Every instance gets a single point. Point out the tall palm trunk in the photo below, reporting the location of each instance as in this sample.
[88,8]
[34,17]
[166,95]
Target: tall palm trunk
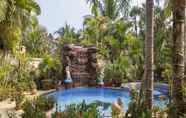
[185,42]
[149,58]
[178,51]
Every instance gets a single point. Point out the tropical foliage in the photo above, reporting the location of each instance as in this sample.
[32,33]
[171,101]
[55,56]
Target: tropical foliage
[81,110]
[38,107]
[139,43]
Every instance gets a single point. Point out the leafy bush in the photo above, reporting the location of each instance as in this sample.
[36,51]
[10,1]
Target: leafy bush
[118,70]
[36,109]
[6,71]
[123,69]
[50,68]
[31,111]
[137,109]
[136,106]
[19,97]
[167,72]
[6,92]
[32,85]
[174,110]
[81,110]
[10,36]
[45,103]
[49,71]
[13,79]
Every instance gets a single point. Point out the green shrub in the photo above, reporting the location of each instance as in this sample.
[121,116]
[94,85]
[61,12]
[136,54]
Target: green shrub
[118,71]
[50,68]
[7,92]
[81,110]
[45,103]
[32,85]
[174,111]
[36,109]
[10,36]
[137,109]
[19,97]
[31,111]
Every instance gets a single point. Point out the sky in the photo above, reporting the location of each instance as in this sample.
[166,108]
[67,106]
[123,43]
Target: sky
[56,13]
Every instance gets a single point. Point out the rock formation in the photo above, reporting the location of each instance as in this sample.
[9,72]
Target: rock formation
[82,63]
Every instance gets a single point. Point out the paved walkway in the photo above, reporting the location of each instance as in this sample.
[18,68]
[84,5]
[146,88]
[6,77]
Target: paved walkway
[7,107]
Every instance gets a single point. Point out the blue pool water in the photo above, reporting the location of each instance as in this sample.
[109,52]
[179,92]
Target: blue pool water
[105,95]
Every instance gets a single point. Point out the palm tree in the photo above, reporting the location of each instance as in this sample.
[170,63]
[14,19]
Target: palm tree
[109,8]
[149,59]
[94,4]
[134,14]
[178,7]
[11,8]
[67,34]
[15,18]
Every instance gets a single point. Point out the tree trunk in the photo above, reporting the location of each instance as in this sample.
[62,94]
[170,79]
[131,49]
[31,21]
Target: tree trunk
[149,57]
[178,54]
[185,42]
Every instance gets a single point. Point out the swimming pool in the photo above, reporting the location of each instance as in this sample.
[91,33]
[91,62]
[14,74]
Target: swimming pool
[103,95]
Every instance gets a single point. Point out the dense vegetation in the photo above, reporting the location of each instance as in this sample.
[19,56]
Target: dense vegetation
[38,107]
[122,32]
[81,110]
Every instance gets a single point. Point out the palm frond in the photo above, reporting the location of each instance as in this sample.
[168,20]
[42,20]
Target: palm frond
[168,7]
[29,5]
[124,6]
[3,8]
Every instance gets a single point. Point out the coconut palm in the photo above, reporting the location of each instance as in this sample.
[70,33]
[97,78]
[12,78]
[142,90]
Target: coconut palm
[16,14]
[109,8]
[178,9]
[94,4]
[149,59]
[67,34]
[11,8]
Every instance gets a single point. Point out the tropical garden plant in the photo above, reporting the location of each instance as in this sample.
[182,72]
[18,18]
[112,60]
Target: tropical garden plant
[31,111]
[45,103]
[81,110]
